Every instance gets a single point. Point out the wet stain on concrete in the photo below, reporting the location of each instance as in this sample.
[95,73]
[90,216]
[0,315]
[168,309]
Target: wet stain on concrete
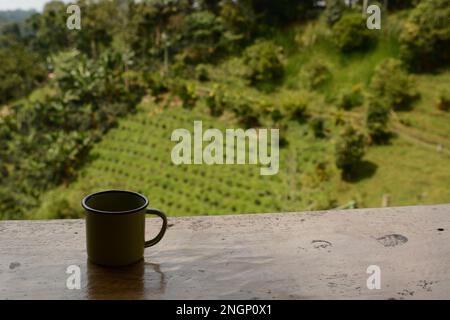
[426,285]
[14,265]
[406,293]
[392,240]
[321,244]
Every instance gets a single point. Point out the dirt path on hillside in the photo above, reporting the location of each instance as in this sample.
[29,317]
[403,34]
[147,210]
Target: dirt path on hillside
[413,135]
[409,134]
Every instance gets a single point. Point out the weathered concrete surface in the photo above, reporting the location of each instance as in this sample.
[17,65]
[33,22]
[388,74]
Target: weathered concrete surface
[312,255]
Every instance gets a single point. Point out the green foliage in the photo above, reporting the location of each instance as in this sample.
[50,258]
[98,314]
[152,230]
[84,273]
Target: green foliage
[98,84]
[142,31]
[20,71]
[392,84]
[334,11]
[79,133]
[377,120]
[263,62]
[238,19]
[186,91]
[156,83]
[402,4]
[38,154]
[52,35]
[283,12]
[351,34]
[98,28]
[425,40]
[46,141]
[215,101]
[245,110]
[202,36]
[179,189]
[316,73]
[201,73]
[443,102]
[294,106]
[62,208]
[349,150]
[10,34]
[317,125]
[348,99]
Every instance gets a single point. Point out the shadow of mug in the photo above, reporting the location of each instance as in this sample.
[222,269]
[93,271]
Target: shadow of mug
[141,280]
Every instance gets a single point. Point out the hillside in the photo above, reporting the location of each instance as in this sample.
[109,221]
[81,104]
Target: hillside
[363,113]
[136,156]
[409,170]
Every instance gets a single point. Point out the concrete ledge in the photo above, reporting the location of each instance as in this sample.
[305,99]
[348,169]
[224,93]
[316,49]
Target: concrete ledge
[310,255]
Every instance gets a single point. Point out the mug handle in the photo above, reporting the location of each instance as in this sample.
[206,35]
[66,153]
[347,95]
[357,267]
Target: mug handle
[156,239]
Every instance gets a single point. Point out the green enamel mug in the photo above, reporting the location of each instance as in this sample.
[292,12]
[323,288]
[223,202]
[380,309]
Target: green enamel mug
[115,227]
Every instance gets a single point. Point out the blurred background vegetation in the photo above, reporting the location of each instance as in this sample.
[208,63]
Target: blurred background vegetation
[364,115]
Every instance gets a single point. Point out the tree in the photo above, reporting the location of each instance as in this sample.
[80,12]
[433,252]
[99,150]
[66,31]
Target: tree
[294,106]
[263,62]
[392,84]
[316,73]
[51,27]
[45,141]
[377,120]
[348,99]
[282,12]
[351,34]
[334,11]
[201,36]
[238,19]
[20,71]
[425,39]
[10,34]
[318,127]
[349,150]
[401,4]
[100,21]
[443,101]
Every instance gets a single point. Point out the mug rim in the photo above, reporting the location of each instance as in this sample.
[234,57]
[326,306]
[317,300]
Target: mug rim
[89,209]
